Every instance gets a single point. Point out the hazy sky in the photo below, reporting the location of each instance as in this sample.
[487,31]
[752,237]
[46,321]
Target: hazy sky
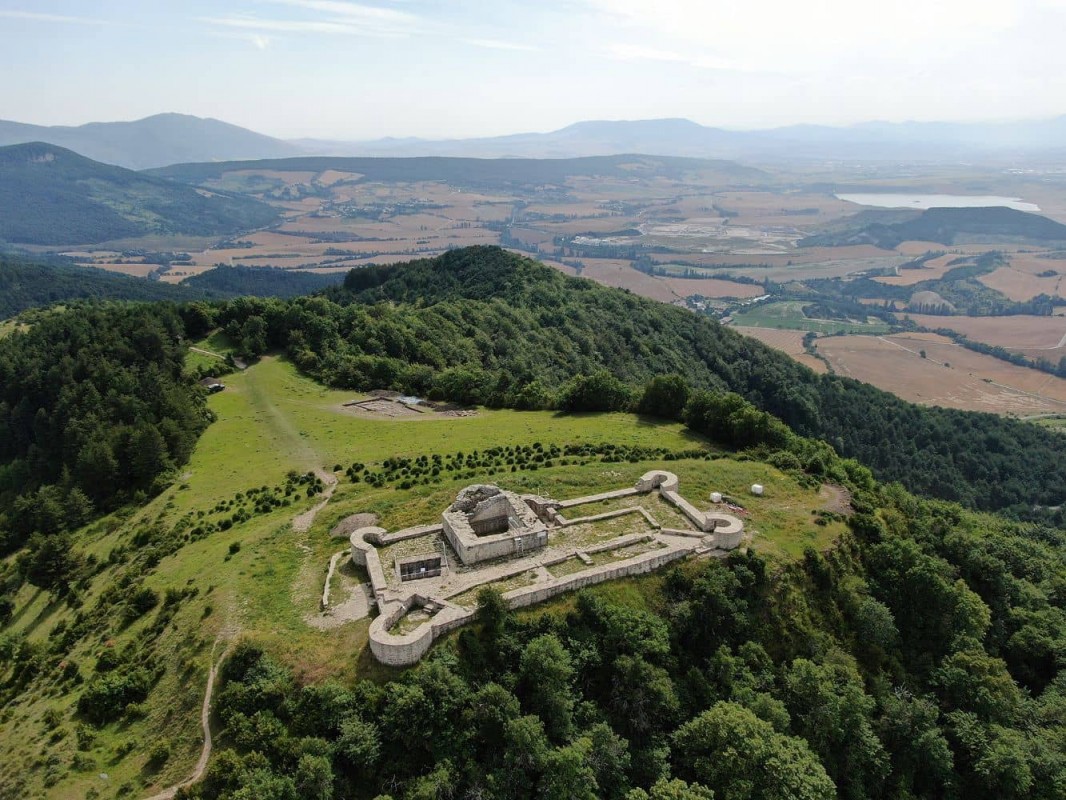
[360,70]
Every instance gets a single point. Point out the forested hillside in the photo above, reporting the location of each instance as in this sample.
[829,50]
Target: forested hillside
[31,284]
[889,229]
[26,284]
[52,196]
[481,325]
[260,281]
[484,173]
[918,657]
[93,408]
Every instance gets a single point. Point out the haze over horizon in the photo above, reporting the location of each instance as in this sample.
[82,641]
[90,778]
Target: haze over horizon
[356,71]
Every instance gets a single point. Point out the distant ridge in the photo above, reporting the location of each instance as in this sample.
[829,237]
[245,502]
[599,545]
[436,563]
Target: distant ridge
[683,137]
[165,139]
[889,229]
[479,172]
[52,196]
[153,141]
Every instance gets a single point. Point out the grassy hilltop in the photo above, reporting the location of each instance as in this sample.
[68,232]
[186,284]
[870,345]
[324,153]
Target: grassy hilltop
[260,580]
[867,643]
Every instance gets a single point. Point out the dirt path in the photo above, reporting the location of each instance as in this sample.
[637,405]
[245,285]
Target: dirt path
[203,352]
[297,447]
[835,498]
[302,523]
[205,722]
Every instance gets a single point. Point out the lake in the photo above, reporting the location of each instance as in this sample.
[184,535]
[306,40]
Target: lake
[924,201]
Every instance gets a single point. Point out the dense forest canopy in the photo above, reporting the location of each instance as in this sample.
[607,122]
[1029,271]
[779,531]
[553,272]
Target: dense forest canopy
[94,407]
[482,325]
[224,281]
[30,283]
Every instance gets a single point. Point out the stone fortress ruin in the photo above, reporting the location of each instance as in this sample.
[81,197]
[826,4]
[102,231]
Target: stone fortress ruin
[425,579]
[486,522]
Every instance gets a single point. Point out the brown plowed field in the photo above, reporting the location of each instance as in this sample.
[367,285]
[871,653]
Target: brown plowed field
[950,375]
[786,341]
[1021,333]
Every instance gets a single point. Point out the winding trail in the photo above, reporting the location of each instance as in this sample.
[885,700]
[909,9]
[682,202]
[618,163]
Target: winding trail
[205,722]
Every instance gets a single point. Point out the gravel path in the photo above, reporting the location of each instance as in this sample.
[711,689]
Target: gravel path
[205,722]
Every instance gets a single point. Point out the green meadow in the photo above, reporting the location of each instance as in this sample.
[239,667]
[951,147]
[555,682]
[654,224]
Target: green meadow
[262,579]
[788,314]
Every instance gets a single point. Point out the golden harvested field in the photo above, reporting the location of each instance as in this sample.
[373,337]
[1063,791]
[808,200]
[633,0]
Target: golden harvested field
[1022,286]
[1022,278]
[783,208]
[332,176]
[949,376]
[931,270]
[619,273]
[711,287]
[137,270]
[790,342]
[1034,336]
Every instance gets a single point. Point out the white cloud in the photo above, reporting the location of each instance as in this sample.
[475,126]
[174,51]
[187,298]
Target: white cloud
[355,11]
[330,17]
[33,16]
[331,27]
[258,40]
[499,44]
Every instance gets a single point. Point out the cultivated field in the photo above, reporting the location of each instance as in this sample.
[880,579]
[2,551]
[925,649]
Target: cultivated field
[787,341]
[1028,275]
[1036,337]
[949,375]
[620,273]
[932,269]
[789,314]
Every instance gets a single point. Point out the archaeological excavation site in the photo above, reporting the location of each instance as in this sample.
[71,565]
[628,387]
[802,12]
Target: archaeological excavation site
[425,579]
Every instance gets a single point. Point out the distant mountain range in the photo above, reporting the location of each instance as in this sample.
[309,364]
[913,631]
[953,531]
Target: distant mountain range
[52,196]
[167,139]
[153,141]
[681,137]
